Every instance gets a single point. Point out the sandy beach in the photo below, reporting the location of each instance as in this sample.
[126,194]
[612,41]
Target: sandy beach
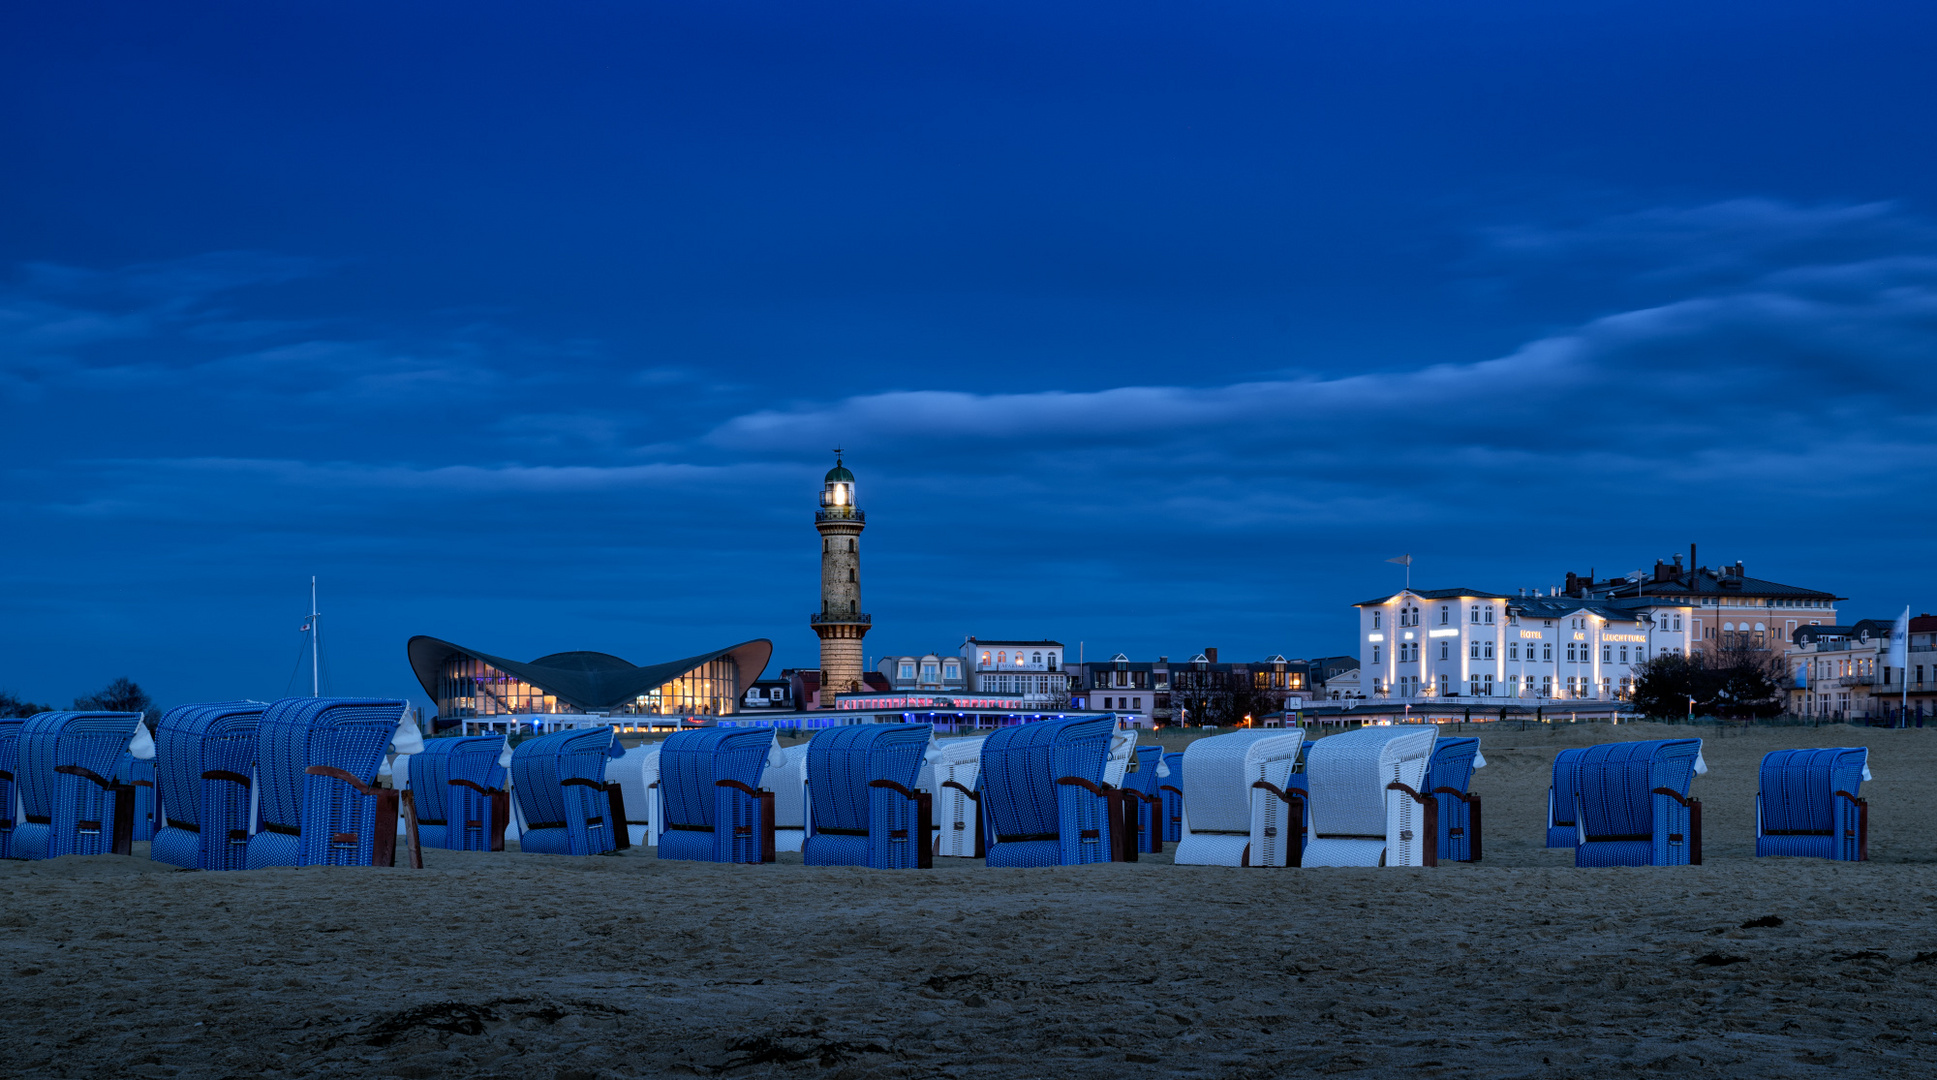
[540,966]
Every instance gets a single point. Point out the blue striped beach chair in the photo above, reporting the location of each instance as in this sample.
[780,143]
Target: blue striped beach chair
[709,783]
[458,788]
[1561,828]
[71,804]
[1171,789]
[1632,806]
[568,807]
[864,809]
[1141,784]
[1809,804]
[316,770]
[1042,789]
[205,761]
[1447,777]
[10,810]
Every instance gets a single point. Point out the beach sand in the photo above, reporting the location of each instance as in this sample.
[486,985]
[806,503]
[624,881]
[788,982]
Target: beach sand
[542,966]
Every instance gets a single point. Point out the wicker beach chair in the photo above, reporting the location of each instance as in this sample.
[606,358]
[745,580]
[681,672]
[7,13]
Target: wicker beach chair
[867,811]
[715,808]
[458,784]
[205,764]
[1141,782]
[1632,806]
[1447,777]
[950,769]
[568,805]
[1367,808]
[1042,789]
[1810,804]
[70,804]
[316,768]
[788,782]
[1238,809]
[1171,789]
[637,774]
[10,808]
[1562,831]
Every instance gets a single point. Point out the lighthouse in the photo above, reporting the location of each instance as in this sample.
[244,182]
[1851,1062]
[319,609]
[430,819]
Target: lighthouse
[840,622]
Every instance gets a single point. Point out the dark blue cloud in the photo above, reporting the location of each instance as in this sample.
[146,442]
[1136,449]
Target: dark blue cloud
[1144,328]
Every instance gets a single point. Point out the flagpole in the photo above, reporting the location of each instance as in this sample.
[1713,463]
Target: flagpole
[315,662]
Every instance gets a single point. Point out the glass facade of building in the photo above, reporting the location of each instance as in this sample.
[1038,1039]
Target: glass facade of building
[469,688]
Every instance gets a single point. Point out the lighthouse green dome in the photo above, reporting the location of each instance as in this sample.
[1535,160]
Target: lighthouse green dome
[839,473]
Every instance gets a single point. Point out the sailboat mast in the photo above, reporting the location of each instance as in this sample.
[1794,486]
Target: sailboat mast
[315,663]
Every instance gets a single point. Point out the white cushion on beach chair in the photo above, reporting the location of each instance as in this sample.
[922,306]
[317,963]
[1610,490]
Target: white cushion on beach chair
[1355,821]
[788,782]
[637,774]
[958,760]
[1227,822]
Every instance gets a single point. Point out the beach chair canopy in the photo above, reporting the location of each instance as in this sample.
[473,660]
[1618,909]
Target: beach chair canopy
[1355,819]
[1620,817]
[65,779]
[454,783]
[1219,772]
[328,817]
[854,822]
[691,764]
[1448,775]
[1810,803]
[1562,831]
[559,781]
[205,764]
[1036,820]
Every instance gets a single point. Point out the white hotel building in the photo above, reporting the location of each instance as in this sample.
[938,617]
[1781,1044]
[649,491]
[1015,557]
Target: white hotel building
[1469,645]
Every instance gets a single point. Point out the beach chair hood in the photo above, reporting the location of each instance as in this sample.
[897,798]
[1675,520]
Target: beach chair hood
[1355,819]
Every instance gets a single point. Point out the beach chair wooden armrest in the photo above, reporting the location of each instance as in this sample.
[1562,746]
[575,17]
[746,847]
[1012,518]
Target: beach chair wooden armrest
[1675,795]
[972,796]
[1429,850]
[6,776]
[1694,822]
[458,781]
[1167,787]
[896,788]
[580,781]
[1101,791]
[86,774]
[335,773]
[1462,796]
[231,777]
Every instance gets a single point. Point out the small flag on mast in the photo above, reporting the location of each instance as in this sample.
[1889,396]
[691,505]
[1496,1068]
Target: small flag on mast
[304,630]
[1402,560]
[1899,656]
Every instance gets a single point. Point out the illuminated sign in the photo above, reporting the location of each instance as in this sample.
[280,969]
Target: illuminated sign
[873,702]
[1534,634]
[1408,635]
[1444,633]
[1623,637]
[1580,636]
[1375,637]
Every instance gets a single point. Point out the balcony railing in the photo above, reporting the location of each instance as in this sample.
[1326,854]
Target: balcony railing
[841,513]
[820,617]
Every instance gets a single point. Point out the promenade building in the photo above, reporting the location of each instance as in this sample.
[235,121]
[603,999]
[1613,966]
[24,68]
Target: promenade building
[1031,671]
[932,672]
[1489,647]
[1725,605]
[1845,671]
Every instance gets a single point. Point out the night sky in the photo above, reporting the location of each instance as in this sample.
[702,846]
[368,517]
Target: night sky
[1147,326]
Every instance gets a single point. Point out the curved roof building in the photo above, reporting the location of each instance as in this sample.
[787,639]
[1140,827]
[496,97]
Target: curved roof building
[468,685]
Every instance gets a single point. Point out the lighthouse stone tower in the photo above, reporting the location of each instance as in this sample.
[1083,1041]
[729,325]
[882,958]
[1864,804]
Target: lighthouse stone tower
[840,622]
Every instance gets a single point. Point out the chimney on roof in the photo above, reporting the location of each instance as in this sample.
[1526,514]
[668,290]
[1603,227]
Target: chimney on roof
[1739,572]
[1692,564]
[1664,572]
[1210,653]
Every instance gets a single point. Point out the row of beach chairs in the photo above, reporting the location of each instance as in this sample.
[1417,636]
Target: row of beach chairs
[236,785]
